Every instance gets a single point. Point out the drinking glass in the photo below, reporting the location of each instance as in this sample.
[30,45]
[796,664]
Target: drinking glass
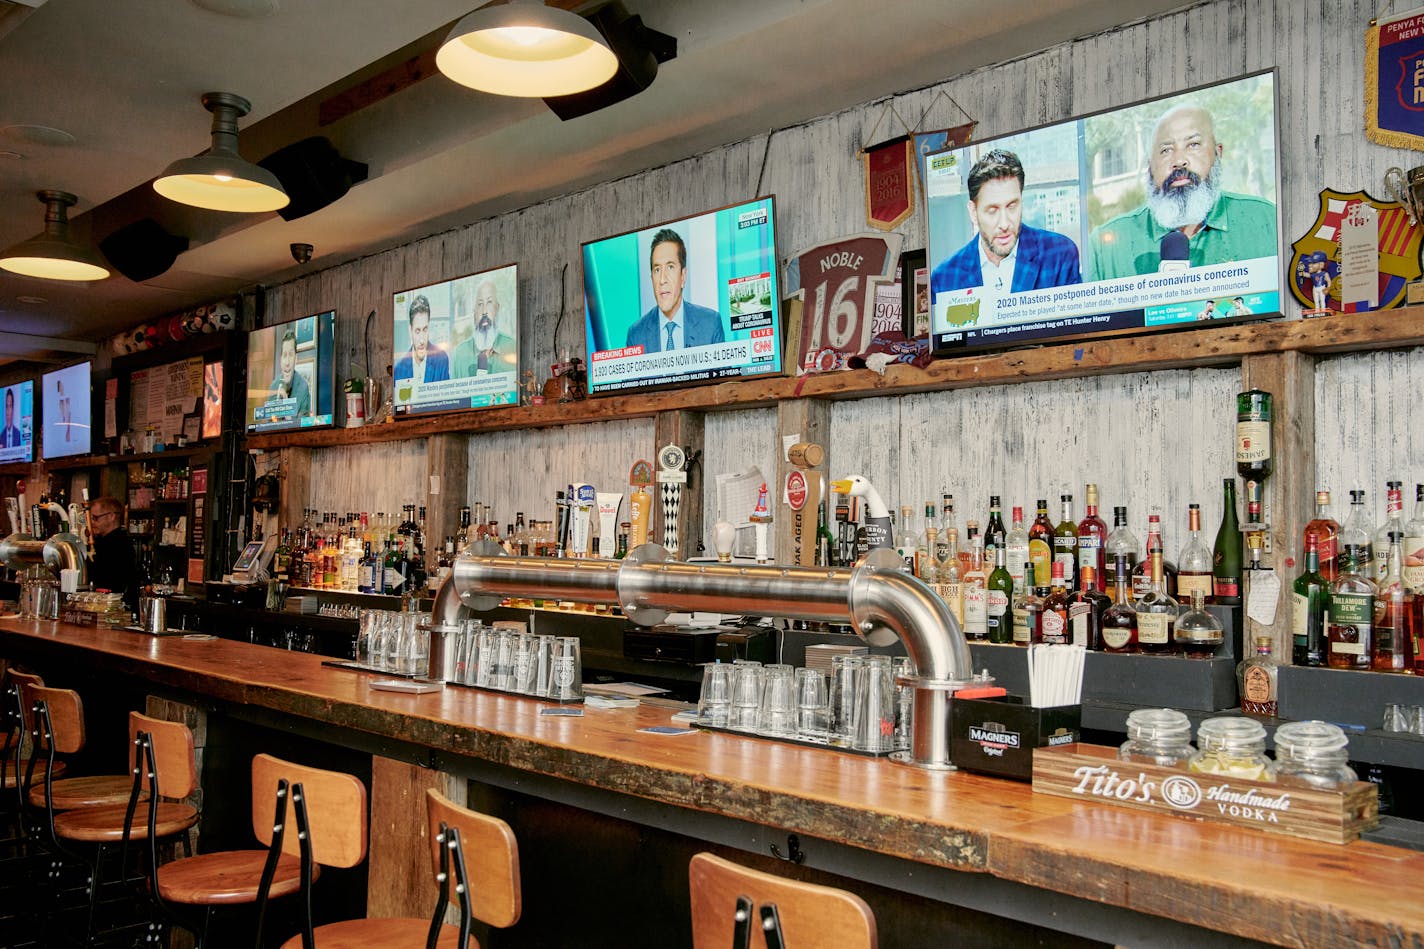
[363,636]
[846,671]
[524,663]
[1416,719]
[568,669]
[544,665]
[503,677]
[746,695]
[714,702]
[777,713]
[900,668]
[874,726]
[813,704]
[489,655]
[1396,718]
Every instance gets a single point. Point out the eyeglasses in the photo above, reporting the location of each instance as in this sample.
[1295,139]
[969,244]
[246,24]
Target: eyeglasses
[95,517]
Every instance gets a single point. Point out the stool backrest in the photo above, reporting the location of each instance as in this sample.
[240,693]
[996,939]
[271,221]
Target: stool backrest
[23,679]
[491,859]
[812,916]
[173,755]
[66,717]
[336,809]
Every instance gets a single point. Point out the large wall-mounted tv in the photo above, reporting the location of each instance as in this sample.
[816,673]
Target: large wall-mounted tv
[456,343]
[17,436]
[686,302]
[291,374]
[65,397]
[1155,216]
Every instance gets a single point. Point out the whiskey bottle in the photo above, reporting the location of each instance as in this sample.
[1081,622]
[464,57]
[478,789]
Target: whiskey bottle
[1355,538]
[1054,620]
[1198,633]
[1194,565]
[1309,596]
[999,593]
[1040,545]
[1119,621]
[1092,536]
[1226,552]
[1026,610]
[1156,611]
[1393,524]
[1253,435]
[1351,615]
[1065,543]
[1390,648]
[1326,532]
[1085,612]
[1256,678]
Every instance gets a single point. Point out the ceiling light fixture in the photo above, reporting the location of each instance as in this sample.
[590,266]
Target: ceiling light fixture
[52,255]
[220,179]
[523,48]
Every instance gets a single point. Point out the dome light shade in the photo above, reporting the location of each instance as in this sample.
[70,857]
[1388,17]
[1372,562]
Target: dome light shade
[52,255]
[220,179]
[523,48]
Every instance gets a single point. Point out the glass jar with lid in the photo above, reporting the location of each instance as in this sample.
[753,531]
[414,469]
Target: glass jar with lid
[1233,747]
[1160,736]
[1312,755]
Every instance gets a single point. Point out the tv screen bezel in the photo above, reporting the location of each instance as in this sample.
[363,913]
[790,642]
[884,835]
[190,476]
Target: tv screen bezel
[29,445]
[402,410]
[46,454]
[778,316]
[249,424]
[942,346]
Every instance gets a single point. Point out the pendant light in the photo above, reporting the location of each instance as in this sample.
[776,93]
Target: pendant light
[524,48]
[220,179]
[52,255]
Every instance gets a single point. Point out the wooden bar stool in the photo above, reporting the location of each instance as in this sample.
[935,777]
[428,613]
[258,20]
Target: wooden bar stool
[66,712]
[336,836]
[811,916]
[16,725]
[475,855]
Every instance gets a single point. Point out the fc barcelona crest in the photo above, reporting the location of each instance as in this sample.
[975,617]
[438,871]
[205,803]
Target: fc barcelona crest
[1315,258]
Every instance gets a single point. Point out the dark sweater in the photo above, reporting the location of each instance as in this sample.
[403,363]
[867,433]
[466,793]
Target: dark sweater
[114,566]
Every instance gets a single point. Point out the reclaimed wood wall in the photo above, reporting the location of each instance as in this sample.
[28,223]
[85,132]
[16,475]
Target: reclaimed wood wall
[1149,440]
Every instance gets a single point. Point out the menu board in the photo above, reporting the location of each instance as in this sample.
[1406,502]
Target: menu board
[161,396]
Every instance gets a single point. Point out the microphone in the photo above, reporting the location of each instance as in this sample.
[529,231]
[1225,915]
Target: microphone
[1175,252]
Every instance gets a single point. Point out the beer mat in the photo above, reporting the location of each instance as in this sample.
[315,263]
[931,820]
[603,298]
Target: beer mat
[140,629]
[686,717]
[406,685]
[667,730]
[198,637]
[605,701]
[561,710]
[634,689]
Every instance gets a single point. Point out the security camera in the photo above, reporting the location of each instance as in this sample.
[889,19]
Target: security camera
[301,253]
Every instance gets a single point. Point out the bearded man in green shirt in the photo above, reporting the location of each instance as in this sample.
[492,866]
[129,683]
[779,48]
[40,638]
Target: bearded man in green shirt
[1183,194]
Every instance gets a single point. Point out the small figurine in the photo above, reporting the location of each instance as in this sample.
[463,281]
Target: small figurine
[531,392]
[761,519]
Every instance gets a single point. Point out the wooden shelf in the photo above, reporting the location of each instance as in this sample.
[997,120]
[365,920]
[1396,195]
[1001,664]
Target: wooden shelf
[1208,346]
[77,461]
[185,452]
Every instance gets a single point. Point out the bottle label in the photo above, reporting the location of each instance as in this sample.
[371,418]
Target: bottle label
[1021,634]
[1221,586]
[1088,547]
[1154,629]
[1347,649]
[1189,582]
[1253,442]
[1055,629]
[1413,566]
[1352,609]
[1141,586]
[1040,555]
[1016,559]
[1079,615]
[1070,563]
[1116,637]
[1256,685]
[976,611]
[998,603]
[1300,617]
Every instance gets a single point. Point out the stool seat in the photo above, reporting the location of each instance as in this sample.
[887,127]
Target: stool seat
[381,934]
[226,878]
[92,791]
[101,825]
[10,780]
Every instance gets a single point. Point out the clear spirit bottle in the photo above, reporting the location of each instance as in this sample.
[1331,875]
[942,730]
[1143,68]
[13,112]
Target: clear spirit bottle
[1355,536]
[1194,565]
[1393,524]
[1016,545]
[1198,634]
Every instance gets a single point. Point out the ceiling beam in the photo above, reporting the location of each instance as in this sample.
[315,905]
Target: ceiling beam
[24,344]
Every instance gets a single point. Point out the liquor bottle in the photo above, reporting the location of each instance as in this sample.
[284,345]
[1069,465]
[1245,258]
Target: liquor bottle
[1256,678]
[999,593]
[971,540]
[1310,596]
[1092,537]
[1351,614]
[1040,545]
[1122,542]
[976,604]
[994,531]
[1065,544]
[1120,619]
[950,586]
[946,523]
[1156,610]
[1253,435]
[1412,568]
[1194,565]
[906,538]
[1355,536]
[1142,573]
[625,529]
[1390,648]
[282,558]
[366,574]
[392,569]
[1053,622]
[1085,612]
[825,542]
[1017,546]
[1198,633]
[1226,552]
[1326,531]
[1393,524]
[1027,609]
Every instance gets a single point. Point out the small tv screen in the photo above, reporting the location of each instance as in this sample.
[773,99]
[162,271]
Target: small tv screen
[290,374]
[17,438]
[686,302]
[456,344]
[65,396]
[1155,216]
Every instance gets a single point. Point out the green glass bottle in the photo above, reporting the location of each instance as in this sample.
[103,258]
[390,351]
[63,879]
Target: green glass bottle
[999,590]
[1065,545]
[1254,416]
[1226,554]
[1310,600]
[825,543]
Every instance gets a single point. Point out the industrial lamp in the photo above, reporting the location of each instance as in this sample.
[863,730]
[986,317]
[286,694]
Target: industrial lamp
[52,255]
[220,179]
[523,48]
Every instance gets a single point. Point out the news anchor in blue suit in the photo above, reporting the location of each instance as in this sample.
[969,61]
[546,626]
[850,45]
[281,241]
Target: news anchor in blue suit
[673,323]
[1005,255]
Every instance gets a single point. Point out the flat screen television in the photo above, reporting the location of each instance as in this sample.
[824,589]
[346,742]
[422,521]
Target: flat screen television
[17,436]
[65,397]
[686,302]
[456,344]
[1154,216]
[290,374]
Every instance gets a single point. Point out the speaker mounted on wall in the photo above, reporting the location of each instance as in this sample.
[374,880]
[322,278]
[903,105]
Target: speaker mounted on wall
[313,174]
[142,250]
[639,50]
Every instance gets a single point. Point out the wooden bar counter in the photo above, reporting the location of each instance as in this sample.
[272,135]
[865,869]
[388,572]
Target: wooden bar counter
[965,833]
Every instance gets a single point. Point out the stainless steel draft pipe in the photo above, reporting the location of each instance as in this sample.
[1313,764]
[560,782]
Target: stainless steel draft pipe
[876,596]
[60,552]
